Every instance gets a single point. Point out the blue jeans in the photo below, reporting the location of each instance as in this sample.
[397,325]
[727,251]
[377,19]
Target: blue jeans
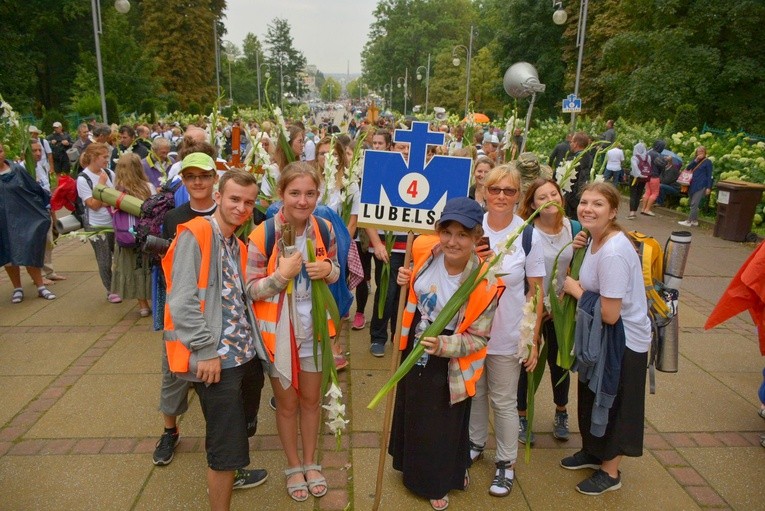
[665,190]
[615,176]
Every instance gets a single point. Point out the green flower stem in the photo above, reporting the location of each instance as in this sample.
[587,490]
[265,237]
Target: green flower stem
[451,309]
[390,238]
[323,303]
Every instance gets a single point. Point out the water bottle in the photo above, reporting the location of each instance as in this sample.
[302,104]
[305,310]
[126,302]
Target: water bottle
[419,329]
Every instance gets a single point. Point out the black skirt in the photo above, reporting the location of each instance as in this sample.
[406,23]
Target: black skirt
[626,418]
[429,437]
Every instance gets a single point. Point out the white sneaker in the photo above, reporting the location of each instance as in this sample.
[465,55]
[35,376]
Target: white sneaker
[687,223]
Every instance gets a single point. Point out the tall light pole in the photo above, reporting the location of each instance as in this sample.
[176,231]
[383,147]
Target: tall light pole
[217,59]
[405,79]
[581,29]
[468,58]
[427,81]
[122,7]
[257,64]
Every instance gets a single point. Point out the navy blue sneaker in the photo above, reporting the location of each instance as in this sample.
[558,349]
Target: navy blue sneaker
[377,349]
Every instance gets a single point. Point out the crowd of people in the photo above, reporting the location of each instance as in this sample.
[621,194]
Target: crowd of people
[238,287]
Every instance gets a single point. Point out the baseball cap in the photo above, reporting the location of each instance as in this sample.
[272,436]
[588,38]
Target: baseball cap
[200,161]
[57,124]
[464,210]
[33,129]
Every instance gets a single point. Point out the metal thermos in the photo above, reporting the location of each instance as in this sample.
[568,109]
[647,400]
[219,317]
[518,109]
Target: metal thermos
[669,354]
[675,256]
[67,224]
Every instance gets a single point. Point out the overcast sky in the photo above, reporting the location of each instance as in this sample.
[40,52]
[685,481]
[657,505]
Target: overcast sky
[330,33]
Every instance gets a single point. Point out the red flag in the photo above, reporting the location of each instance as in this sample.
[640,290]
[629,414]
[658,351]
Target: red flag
[745,292]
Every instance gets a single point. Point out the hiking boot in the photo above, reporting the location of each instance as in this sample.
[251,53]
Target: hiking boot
[524,426]
[580,460]
[359,321]
[560,426]
[165,448]
[599,483]
[377,349]
[249,478]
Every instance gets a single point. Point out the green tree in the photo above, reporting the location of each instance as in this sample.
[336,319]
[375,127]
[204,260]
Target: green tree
[331,89]
[129,74]
[283,59]
[357,88]
[178,35]
[403,34]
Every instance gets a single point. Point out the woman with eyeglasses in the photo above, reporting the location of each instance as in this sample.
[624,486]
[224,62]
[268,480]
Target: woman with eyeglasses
[280,284]
[499,381]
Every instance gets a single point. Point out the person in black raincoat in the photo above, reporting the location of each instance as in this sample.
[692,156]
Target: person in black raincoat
[24,224]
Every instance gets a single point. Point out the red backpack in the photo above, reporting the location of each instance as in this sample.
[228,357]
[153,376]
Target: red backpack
[644,166]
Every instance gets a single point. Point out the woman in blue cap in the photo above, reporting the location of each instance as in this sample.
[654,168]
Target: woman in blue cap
[429,437]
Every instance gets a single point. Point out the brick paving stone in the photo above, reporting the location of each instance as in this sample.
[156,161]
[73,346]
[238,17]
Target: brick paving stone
[334,500]
[53,393]
[334,459]
[120,328]
[680,439]
[65,380]
[753,437]
[119,446]
[25,419]
[4,447]
[41,405]
[330,442]
[670,458]
[88,446]
[83,361]
[705,496]
[95,352]
[365,439]
[687,476]
[145,446]
[732,439]
[545,441]
[189,444]
[336,478]
[27,447]
[269,443]
[10,434]
[655,441]
[103,343]
[59,446]
[706,440]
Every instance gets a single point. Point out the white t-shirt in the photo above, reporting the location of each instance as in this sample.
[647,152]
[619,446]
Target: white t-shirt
[309,150]
[433,288]
[551,246]
[505,329]
[336,200]
[614,159]
[96,217]
[615,272]
[42,172]
[304,335]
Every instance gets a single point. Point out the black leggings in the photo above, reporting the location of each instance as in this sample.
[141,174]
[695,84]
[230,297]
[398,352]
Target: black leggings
[636,192]
[560,390]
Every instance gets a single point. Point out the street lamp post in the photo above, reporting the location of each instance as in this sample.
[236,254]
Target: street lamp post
[559,18]
[122,6]
[427,81]
[257,64]
[405,79]
[468,58]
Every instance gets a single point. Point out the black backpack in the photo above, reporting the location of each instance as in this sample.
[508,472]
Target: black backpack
[80,209]
[153,211]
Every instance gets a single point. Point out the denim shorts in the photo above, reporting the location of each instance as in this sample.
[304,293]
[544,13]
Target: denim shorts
[230,408]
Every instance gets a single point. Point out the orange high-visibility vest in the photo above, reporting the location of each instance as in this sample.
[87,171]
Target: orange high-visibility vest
[267,310]
[482,296]
[177,353]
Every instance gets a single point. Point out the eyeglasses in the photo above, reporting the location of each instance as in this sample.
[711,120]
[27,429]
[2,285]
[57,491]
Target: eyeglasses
[509,192]
[197,177]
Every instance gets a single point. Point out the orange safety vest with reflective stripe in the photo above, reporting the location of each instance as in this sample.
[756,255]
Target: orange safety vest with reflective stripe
[480,299]
[268,310]
[177,353]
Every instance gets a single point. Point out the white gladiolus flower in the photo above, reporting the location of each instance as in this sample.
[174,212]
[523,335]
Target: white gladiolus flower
[526,338]
[336,425]
[334,409]
[334,392]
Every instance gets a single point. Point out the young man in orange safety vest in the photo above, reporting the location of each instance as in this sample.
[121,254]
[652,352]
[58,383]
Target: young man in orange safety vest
[210,331]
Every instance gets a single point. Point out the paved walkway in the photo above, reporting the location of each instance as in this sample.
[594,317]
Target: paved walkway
[78,418]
